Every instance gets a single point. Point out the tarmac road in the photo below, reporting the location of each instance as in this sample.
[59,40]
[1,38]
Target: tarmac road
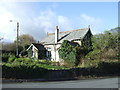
[91,83]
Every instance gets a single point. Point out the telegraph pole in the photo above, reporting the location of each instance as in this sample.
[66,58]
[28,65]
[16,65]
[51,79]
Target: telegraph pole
[17,52]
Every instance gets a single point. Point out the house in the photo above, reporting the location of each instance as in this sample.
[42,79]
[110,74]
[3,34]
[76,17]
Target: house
[48,47]
[53,41]
[36,50]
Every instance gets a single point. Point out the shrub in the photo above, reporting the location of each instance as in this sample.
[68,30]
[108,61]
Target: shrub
[46,62]
[71,52]
[23,60]
[109,67]
[5,57]
[23,71]
[11,58]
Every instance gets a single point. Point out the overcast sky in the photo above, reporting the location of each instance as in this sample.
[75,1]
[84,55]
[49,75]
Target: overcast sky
[38,18]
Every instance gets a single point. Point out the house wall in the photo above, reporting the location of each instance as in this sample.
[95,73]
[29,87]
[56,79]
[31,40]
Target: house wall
[35,52]
[54,51]
[30,53]
[79,42]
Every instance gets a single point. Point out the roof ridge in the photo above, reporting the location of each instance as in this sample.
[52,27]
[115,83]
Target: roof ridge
[37,43]
[69,31]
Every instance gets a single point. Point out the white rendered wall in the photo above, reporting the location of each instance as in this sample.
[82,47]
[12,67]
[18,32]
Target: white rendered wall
[54,52]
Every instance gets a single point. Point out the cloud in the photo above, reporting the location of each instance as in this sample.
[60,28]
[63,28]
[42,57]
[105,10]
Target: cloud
[94,22]
[65,23]
[38,22]
[6,30]
[34,22]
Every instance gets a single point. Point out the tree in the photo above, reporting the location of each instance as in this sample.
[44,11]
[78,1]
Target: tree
[10,48]
[25,40]
[105,46]
[72,53]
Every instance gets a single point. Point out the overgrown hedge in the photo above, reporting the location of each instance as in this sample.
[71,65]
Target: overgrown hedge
[71,52]
[42,71]
[103,69]
[25,68]
[23,71]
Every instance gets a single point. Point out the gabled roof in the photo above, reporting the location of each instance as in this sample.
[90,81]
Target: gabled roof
[66,35]
[37,45]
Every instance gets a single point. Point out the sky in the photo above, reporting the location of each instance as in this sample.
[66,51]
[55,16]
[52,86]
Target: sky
[38,18]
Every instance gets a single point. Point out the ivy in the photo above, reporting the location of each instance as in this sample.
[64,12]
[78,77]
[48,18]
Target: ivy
[71,52]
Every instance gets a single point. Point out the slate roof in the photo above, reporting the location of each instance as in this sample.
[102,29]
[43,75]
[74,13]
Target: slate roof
[39,46]
[66,35]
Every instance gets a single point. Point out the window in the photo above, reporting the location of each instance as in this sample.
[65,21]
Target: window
[48,54]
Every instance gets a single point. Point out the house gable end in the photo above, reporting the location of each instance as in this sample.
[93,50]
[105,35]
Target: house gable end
[31,46]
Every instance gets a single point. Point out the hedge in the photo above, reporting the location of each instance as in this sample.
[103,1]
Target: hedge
[72,52]
[23,71]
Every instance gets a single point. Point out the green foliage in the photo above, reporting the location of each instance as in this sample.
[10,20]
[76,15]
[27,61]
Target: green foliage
[105,46]
[103,69]
[13,61]
[45,62]
[71,52]
[11,58]
[5,57]
[22,71]
[26,68]
[67,52]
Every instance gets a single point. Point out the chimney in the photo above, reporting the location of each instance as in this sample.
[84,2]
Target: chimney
[56,34]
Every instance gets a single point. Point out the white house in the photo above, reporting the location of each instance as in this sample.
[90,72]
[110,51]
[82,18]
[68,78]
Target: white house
[53,41]
[36,50]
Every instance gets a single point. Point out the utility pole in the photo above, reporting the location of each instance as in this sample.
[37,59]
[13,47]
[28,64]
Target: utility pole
[17,52]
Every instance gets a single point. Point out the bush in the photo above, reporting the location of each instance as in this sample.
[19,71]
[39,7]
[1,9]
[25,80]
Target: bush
[72,53]
[46,62]
[109,67]
[23,71]
[5,57]
[23,60]
[26,68]
[11,58]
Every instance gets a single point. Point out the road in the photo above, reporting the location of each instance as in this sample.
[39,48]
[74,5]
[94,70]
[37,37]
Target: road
[93,83]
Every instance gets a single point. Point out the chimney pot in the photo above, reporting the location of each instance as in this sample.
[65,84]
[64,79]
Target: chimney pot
[56,27]
[56,34]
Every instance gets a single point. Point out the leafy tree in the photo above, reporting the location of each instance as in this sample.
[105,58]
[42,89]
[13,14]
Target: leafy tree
[71,52]
[9,47]
[25,40]
[105,46]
